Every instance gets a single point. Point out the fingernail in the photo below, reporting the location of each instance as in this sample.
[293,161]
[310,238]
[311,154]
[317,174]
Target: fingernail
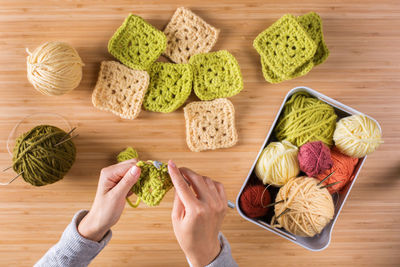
[134,171]
[172,164]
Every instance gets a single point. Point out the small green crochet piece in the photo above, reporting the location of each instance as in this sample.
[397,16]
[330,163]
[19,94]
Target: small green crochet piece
[216,75]
[137,44]
[170,86]
[154,181]
[312,23]
[271,77]
[285,46]
[127,154]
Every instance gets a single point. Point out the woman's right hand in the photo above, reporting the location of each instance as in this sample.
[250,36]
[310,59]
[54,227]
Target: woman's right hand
[199,209]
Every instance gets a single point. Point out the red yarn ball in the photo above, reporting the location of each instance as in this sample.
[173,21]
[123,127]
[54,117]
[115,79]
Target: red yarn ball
[314,158]
[343,166]
[251,203]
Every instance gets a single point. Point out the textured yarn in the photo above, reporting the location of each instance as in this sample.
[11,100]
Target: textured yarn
[37,157]
[170,86]
[216,75]
[306,119]
[253,201]
[154,182]
[285,46]
[277,163]
[310,207]
[210,124]
[137,44]
[314,158]
[54,68]
[187,35]
[357,136]
[343,168]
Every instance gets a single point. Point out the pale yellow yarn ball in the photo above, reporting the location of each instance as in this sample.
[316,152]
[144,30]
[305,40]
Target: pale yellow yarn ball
[357,135]
[278,163]
[307,208]
[54,68]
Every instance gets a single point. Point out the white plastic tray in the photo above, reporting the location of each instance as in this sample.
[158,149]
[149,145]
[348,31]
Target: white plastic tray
[321,241]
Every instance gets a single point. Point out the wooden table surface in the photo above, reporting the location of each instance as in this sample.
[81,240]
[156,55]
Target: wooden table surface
[362,71]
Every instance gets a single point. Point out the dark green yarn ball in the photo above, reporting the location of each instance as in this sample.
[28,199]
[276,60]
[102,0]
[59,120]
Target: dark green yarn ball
[36,155]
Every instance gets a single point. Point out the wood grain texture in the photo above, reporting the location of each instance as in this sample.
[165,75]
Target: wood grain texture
[362,72]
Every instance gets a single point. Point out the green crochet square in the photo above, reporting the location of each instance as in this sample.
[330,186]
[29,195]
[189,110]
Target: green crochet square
[137,44]
[312,23]
[216,75]
[153,183]
[271,77]
[170,86]
[285,46]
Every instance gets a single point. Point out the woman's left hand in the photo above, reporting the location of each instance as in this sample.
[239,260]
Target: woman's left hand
[114,186]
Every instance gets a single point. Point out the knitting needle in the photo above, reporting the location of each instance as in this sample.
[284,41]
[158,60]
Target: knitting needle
[273,204]
[13,179]
[59,143]
[73,129]
[323,180]
[329,185]
[283,212]
[230,203]
[7,168]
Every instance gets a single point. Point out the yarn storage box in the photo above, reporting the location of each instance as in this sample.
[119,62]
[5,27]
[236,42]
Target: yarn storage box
[321,241]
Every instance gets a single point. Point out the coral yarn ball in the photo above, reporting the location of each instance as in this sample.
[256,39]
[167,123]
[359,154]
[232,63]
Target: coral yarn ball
[253,200]
[54,68]
[357,135]
[314,158]
[343,168]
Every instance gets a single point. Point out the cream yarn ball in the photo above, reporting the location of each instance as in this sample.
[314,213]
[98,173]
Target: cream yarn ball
[305,208]
[278,163]
[54,68]
[357,135]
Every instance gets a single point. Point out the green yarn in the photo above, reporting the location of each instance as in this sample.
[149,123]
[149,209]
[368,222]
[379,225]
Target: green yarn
[312,23]
[127,154]
[170,86]
[137,44]
[216,75]
[37,157]
[306,119]
[154,181]
[285,46]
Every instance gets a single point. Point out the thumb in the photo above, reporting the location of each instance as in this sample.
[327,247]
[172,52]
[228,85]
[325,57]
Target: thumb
[130,178]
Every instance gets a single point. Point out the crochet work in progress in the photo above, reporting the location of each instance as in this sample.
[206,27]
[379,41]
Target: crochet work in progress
[285,46]
[137,44]
[120,89]
[154,181]
[210,125]
[170,86]
[216,75]
[187,35]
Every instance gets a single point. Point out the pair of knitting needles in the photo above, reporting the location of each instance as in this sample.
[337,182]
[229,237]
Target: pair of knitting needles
[62,140]
[283,200]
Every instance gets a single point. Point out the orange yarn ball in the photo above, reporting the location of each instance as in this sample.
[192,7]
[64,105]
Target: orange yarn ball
[343,166]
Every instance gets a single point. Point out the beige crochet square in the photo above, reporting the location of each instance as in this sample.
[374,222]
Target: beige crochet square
[210,124]
[120,89]
[187,35]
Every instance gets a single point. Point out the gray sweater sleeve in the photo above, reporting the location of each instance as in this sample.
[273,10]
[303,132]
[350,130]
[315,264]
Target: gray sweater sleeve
[73,249]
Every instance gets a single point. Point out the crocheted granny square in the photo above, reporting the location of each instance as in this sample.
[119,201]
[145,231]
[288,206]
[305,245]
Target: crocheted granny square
[312,23]
[120,89]
[285,46]
[153,183]
[271,77]
[210,124]
[137,44]
[187,35]
[216,75]
[170,86]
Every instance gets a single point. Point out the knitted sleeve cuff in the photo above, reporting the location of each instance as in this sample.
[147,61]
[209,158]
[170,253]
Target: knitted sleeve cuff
[73,249]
